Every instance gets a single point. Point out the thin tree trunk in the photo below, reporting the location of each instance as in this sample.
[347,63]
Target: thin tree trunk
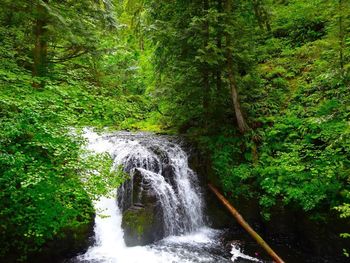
[205,70]
[217,74]
[40,46]
[219,46]
[341,37]
[258,14]
[261,15]
[142,43]
[242,125]
[245,225]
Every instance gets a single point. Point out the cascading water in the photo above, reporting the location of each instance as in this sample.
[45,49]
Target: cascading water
[163,168]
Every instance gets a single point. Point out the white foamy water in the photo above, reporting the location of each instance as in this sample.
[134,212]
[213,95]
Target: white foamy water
[187,239]
[237,254]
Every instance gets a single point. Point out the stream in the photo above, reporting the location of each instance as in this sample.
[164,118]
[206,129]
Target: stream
[162,167]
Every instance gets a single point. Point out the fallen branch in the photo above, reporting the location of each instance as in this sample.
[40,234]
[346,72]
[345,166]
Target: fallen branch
[245,225]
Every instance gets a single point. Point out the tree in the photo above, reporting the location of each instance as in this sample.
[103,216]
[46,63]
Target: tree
[57,31]
[241,122]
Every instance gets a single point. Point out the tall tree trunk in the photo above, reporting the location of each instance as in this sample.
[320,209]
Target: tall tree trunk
[219,112]
[142,44]
[341,36]
[261,15]
[242,125]
[205,69]
[40,45]
[257,13]
[219,46]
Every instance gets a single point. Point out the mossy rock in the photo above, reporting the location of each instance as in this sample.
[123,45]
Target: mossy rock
[140,226]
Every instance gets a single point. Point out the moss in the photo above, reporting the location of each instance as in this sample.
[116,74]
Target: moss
[138,221]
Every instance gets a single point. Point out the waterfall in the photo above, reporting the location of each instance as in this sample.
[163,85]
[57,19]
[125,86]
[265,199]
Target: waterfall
[177,192]
[158,166]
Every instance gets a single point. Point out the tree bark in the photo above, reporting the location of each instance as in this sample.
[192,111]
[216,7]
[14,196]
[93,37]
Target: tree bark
[341,36]
[205,69]
[219,45]
[257,13]
[245,225]
[218,111]
[242,125]
[40,45]
[261,15]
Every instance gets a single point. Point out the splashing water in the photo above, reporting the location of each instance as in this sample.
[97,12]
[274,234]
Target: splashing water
[237,253]
[187,238]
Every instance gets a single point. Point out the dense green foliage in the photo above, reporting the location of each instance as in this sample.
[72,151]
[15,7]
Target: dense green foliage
[299,151]
[291,69]
[47,187]
[36,158]
[262,85]
[42,195]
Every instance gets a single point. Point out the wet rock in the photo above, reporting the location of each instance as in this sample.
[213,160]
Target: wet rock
[142,220]
[143,193]
[139,205]
[141,226]
[168,174]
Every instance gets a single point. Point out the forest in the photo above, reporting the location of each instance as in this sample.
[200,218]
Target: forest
[260,87]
